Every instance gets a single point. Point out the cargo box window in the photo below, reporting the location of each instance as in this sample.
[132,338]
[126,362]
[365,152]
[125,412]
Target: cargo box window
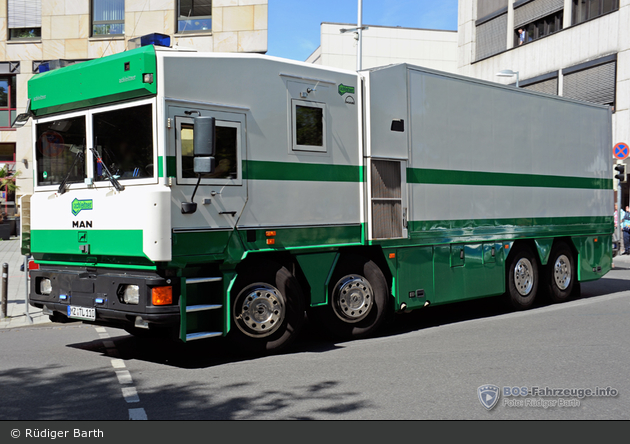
[309,126]
[60,151]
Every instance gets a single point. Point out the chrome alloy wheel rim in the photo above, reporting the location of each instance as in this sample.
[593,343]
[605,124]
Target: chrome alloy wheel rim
[562,272]
[524,276]
[260,310]
[353,298]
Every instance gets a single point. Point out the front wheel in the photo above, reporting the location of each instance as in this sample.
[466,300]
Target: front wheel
[268,310]
[561,273]
[358,299]
[522,279]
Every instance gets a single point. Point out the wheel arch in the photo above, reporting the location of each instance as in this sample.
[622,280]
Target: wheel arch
[544,247]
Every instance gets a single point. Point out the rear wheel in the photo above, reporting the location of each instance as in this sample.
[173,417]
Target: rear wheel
[358,299]
[561,273]
[268,310]
[522,279]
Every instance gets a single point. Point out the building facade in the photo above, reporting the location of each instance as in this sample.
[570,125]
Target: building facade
[37,31]
[384,45]
[573,48]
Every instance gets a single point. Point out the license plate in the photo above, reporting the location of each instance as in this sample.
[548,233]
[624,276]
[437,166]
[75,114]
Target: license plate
[88,314]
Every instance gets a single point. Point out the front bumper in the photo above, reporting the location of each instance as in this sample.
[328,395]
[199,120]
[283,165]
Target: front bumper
[99,288]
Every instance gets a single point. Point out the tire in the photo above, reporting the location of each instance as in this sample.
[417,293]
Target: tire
[275,298]
[522,279]
[561,273]
[361,316]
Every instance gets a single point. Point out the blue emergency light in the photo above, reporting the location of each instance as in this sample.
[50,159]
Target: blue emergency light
[150,39]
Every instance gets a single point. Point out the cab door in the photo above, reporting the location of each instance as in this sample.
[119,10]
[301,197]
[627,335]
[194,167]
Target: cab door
[221,195]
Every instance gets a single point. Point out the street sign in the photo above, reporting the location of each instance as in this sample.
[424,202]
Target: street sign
[621,151]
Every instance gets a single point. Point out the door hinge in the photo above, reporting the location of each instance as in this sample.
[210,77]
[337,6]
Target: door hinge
[404,217]
[168,123]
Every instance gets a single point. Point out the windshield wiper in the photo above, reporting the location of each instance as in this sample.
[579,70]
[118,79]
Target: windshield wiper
[111,178]
[78,154]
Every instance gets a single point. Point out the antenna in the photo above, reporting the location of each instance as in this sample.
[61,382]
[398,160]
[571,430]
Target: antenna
[136,25]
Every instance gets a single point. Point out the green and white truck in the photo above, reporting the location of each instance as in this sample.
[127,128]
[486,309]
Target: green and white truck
[233,195]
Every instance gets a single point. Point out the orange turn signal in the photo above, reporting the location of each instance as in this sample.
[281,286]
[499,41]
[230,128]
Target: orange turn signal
[162,295]
[595,240]
[271,241]
[270,233]
[392,255]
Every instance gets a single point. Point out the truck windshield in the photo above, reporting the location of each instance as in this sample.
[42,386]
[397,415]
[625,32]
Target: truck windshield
[58,143]
[124,140]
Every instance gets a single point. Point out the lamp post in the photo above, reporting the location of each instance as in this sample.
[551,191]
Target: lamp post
[359,35]
[508,73]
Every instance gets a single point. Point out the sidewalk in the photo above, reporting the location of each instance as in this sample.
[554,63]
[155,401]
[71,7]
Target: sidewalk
[16,288]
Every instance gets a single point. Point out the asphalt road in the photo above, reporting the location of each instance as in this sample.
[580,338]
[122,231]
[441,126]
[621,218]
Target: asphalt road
[425,365]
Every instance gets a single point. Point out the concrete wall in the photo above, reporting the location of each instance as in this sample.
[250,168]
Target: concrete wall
[385,46]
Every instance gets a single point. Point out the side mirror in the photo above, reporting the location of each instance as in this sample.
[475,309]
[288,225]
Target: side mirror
[21,120]
[204,144]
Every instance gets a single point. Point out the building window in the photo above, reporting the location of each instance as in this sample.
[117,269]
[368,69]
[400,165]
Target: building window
[194,15]
[491,37]
[108,17]
[7,101]
[7,152]
[25,19]
[593,81]
[584,10]
[549,86]
[538,29]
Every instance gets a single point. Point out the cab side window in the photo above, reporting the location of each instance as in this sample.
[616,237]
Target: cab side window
[226,158]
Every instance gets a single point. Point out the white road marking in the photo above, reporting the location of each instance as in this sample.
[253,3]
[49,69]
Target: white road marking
[130,394]
[118,363]
[124,377]
[137,415]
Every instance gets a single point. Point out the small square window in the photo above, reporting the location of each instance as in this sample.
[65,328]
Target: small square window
[108,17]
[25,34]
[309,126]
[194,16]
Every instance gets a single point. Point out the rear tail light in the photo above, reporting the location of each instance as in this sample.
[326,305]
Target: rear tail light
[32,265]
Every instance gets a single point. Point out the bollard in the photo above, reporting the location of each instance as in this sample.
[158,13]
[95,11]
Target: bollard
[28,316]
[5,278]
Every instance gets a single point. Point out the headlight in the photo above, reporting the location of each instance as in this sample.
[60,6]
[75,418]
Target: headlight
[131,294]
[45,286]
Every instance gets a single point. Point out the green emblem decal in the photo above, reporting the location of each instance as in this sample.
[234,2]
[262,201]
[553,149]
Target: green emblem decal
[343,89]
[80,205]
